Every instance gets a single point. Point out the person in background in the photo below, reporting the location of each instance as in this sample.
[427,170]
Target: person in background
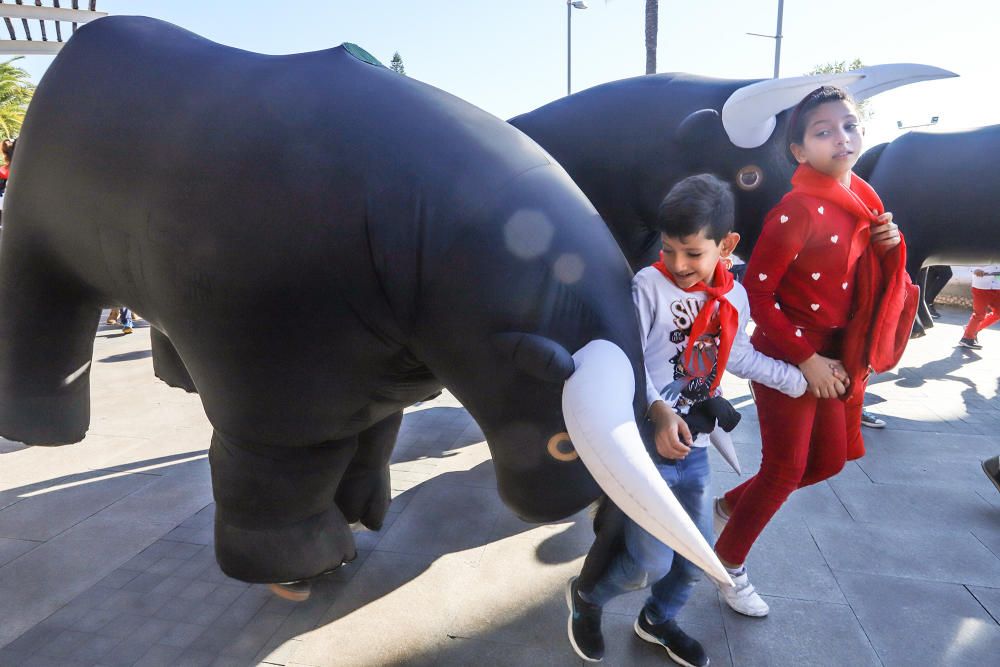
[985,304]
[935,278]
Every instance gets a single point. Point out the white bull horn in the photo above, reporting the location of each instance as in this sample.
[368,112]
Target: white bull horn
[597,406]
[748,116]
[723,442]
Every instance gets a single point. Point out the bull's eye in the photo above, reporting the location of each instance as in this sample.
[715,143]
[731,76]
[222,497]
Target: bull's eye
[749,177]
[560,448]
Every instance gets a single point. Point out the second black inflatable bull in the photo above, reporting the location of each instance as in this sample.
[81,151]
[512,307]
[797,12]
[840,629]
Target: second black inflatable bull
[944,190]
[626,143]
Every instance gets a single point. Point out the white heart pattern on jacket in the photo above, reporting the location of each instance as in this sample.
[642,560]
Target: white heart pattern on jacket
[783,219]
[815,276]
[835,238]
[820,209]
[814,306]
[762,276]
[798,333]
[843,285]
[777,306]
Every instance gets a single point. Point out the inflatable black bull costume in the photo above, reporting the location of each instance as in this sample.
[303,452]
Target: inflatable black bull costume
[318,243]
[943,189]
[626,143]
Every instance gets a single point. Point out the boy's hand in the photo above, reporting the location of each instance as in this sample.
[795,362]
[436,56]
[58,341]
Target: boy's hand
[886,233]
[822,377]
[673,437]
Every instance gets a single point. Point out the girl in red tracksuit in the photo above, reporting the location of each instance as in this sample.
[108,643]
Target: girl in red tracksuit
[825,273]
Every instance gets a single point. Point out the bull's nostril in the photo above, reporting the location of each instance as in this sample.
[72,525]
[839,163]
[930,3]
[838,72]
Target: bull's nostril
[561,448]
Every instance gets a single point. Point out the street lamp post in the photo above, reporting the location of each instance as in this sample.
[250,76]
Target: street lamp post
[776,37]
[570,6]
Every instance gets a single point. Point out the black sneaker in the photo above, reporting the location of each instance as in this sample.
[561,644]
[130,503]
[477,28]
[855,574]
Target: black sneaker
[681,648]
[970,343]
[584,625]
[934,311]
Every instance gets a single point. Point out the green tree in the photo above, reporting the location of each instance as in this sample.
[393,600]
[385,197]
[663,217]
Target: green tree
[16,90]
[652,25]
[396,64]
[839,67]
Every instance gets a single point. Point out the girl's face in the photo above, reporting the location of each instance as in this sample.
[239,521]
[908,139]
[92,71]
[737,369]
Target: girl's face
[832,141]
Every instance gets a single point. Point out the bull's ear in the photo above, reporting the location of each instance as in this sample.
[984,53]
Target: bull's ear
[700,129]
[537,356]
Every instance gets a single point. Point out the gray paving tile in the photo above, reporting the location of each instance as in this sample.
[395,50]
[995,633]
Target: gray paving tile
[954,556]
[159,656]
[443,518]
[462,651]
[917,505]
[191,658]
[799,632]
[989,598]
[182,635]
[44,516]
[63,645]
[93,648]
[943,624]
[786,562]
[11,548]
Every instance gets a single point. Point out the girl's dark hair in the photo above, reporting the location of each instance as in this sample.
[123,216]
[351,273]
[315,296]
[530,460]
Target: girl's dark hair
[696,203]
[800,114]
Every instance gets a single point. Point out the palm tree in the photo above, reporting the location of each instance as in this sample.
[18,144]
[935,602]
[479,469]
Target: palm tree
[16,90]
[652,23]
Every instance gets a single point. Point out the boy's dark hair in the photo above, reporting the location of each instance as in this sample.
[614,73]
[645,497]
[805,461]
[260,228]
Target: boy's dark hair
[800,114]
[701,202]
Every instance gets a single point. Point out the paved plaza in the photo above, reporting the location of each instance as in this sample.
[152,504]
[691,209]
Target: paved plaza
[106,546]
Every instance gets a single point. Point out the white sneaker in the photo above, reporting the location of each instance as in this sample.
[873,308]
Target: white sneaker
[742,597]
[719,518]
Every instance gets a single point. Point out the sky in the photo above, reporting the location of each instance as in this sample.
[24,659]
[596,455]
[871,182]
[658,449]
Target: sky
[509,56]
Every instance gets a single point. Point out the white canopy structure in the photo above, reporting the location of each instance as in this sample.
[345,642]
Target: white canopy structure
[37,27]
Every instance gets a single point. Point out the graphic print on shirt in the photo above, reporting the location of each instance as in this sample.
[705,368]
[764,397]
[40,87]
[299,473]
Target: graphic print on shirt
[691,384]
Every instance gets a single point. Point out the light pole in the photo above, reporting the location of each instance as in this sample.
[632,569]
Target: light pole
[570,6]
[776,37]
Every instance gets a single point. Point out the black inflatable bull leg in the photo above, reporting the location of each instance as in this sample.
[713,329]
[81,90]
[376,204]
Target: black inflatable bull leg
[44,362]
[167,363]
[276,519]
[364,494]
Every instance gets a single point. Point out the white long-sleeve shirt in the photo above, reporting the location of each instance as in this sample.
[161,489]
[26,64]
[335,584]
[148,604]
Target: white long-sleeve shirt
[988,281]
[666,314]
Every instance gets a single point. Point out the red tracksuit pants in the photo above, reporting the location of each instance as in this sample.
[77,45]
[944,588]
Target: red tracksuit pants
[804,441]
[985,311]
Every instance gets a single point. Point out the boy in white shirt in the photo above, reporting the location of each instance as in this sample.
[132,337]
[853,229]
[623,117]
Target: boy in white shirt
[687,345]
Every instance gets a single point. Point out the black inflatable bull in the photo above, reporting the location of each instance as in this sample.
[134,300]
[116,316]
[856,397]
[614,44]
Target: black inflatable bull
[318,243]
[944,191]
[626,143]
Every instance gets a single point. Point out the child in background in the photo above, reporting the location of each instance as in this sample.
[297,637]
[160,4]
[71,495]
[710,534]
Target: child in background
[985,304]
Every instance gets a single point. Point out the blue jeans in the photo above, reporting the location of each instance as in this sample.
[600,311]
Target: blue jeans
[646,560]
[126,317]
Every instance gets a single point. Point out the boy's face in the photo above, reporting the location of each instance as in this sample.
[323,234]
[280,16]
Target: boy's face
[692,259]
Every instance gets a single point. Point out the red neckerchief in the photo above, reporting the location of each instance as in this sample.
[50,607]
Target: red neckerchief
[729,318]
[859,200]
[884,301]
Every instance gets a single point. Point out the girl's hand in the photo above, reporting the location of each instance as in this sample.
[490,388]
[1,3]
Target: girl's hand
[979,273]
[821,376]
[673,437]
[886,233]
